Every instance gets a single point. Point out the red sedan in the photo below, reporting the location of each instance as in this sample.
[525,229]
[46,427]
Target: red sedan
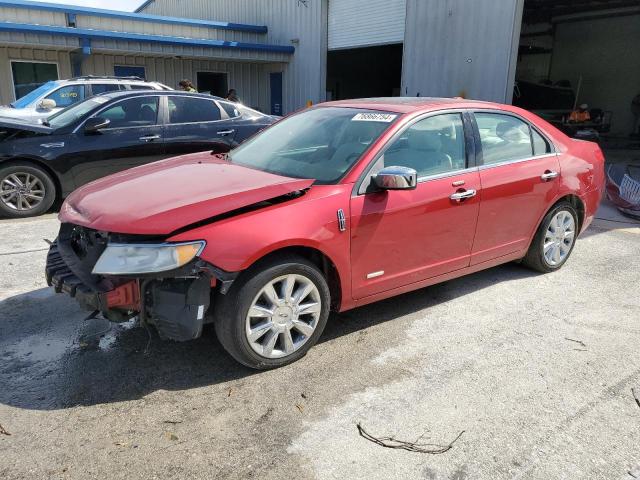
[334,207]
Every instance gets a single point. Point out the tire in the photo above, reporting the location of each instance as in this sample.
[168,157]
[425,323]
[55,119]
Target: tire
[554,233]
[20,185]
[232,322]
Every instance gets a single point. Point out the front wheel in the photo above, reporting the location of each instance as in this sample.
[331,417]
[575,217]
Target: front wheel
[554,240]
[25,191]
[274,313]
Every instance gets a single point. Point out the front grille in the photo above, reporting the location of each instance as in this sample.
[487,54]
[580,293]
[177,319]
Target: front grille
[79,248]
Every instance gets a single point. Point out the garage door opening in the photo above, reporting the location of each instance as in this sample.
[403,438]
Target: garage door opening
[578,52]
[212,83]
[364,72]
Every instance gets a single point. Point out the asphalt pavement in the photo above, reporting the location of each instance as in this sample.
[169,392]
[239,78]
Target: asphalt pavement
[535,370]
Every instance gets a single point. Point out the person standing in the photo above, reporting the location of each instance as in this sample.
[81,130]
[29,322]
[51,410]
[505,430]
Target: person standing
[232,96]
[187,86]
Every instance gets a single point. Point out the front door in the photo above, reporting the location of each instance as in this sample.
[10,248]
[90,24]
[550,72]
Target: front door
[132,138]
[405,236]
[519,175]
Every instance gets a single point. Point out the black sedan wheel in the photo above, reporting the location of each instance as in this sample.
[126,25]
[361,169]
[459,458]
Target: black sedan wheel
[25,191]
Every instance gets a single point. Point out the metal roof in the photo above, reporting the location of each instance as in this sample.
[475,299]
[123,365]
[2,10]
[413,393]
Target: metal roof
[100,12]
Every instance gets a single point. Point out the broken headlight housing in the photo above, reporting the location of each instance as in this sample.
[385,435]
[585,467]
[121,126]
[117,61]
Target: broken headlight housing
[128,259]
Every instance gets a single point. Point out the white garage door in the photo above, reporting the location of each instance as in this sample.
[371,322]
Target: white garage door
[361,23]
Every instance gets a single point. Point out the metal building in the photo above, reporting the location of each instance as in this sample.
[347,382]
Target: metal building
[275,53]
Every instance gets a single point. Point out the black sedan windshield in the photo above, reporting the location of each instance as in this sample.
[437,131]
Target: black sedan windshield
[322,143]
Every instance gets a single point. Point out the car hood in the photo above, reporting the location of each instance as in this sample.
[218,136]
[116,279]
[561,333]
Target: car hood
[19,124]
[162,197]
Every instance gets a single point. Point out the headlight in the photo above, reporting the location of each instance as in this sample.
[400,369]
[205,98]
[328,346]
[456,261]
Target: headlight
[122,258]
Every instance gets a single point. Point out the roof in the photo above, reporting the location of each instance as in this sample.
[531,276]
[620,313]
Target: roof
[407,104]
[101,12]
[134,93]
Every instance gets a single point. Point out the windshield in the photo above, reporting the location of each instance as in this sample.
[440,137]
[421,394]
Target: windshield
[74,112]
[33,95]
[322,143]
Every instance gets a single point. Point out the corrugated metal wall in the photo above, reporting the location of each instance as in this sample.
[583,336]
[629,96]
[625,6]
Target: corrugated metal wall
[302,24]
[26,53]
[359,23]
[250,79]
[461,47]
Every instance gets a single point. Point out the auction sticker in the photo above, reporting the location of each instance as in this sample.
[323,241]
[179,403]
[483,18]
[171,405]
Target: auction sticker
[374,117]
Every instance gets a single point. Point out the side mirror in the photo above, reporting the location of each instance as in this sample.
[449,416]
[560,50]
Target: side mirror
[47,104]
[96,123]
[396,178]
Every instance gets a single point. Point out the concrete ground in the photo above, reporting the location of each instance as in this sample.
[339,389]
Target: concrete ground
[537,370]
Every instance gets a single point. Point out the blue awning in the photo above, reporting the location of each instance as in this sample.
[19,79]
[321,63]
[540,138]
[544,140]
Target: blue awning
[140,37]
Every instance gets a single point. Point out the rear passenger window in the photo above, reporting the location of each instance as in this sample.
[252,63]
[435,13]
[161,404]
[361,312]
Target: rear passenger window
[540,144]
[504,138]
[191,109]
[230,108]
[431,146]
[140,86]
[66,96]
[98,88]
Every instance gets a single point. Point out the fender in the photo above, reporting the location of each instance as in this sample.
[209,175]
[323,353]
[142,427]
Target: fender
[236,243]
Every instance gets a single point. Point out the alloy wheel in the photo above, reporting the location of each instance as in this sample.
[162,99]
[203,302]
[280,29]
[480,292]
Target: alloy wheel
[283,316]
[21,191]
[559,238]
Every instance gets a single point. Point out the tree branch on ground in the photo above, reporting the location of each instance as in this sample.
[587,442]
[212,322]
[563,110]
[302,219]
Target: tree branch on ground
[390,442]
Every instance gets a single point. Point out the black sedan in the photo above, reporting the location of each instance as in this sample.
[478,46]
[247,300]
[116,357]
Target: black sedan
[40,163]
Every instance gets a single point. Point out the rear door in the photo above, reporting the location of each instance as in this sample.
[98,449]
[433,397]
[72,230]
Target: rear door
[195,124]
[519,173]
[133,137]
[405,236]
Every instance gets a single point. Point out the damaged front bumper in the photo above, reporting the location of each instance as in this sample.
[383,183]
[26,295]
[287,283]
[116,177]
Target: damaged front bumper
[176,302]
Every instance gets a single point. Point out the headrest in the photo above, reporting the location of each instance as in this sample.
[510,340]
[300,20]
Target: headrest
[428,140]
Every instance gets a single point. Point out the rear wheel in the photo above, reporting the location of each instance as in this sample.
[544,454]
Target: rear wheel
[25,191]
[554,240]
[274,313]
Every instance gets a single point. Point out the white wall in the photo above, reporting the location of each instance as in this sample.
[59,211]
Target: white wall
[250,79]
[290,22]
[606,52]
[461,47]
[7,54]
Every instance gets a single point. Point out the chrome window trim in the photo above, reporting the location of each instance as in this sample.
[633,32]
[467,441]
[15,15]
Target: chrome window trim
[157,124]
[398,134]
[195,123]
[453,173]
[128,128]
[520,160]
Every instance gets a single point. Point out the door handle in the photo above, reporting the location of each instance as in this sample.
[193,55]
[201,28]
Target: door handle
[225,132]
[548,175]
[459,196]
[149,138]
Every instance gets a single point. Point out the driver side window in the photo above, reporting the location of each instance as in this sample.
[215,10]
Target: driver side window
[430,146]
[133,112]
